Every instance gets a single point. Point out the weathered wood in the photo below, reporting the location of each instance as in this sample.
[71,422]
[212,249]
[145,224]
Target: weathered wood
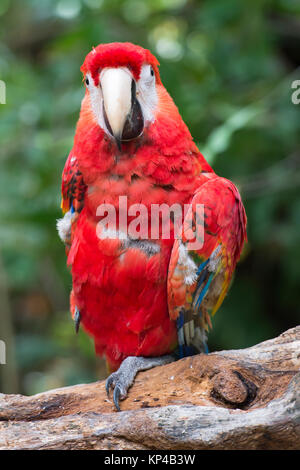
[238,399]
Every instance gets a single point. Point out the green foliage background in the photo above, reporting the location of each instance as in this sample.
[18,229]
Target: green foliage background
[229,65]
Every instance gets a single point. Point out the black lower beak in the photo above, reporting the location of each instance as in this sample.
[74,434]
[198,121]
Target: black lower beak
[134,123]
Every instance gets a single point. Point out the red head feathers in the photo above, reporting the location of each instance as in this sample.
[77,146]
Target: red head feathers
[119,54]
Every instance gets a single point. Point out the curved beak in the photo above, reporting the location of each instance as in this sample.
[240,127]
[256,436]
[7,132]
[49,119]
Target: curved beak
[122,112]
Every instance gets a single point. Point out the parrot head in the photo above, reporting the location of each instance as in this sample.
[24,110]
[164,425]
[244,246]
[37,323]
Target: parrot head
[122,86]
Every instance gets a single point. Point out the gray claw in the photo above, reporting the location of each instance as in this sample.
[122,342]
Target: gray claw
[77,319]
[117,393]
[108,384]
[123,378]
[112,383]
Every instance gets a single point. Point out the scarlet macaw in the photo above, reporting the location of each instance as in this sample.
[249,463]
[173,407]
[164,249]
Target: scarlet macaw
[143,299]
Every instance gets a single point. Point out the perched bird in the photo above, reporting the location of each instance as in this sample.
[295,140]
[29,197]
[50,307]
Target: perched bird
[145,298]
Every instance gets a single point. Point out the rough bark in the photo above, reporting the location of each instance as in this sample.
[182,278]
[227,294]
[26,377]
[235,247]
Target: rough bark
[238,399]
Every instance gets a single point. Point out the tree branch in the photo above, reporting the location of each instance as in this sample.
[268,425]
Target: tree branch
[239,399]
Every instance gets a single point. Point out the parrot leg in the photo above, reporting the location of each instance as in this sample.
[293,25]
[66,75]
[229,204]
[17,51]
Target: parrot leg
[124,377]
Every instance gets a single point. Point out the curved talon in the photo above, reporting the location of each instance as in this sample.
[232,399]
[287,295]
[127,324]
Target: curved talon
[109,384]
[112,383]
[77,319]
[123,378]
[117,393]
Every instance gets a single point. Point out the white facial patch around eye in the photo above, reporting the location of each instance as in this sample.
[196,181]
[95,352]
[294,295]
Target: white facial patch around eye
[96,100]
[146,93]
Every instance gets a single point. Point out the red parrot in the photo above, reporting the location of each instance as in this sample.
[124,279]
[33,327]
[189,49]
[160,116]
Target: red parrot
[144,299]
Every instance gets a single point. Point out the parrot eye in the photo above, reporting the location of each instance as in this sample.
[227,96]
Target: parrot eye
[87,81]
[152,72]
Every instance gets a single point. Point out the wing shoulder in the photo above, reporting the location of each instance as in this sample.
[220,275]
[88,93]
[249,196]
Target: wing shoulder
[73,191]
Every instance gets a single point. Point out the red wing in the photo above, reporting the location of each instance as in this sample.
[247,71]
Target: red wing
[73,191]
[198,278]
[73,187]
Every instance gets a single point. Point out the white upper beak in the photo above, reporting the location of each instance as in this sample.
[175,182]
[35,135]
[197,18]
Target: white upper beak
[116,90]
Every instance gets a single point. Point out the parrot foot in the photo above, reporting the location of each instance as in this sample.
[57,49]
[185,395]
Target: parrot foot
[123,378]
